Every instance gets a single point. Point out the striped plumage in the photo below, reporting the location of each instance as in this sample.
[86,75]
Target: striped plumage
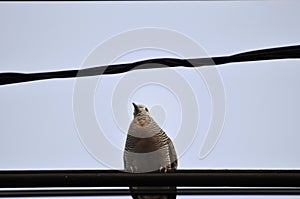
[148,149]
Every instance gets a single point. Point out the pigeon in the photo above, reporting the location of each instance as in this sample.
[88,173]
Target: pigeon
[148,149]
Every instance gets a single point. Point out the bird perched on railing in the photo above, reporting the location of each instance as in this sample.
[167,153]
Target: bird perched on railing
[148,149]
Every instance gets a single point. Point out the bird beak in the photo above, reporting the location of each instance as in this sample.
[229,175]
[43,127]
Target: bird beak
[136,108]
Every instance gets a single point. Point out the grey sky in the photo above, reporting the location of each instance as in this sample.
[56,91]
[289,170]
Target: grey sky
[38,128]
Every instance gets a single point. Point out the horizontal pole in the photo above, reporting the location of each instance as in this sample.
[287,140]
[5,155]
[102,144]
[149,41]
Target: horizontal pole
[124,192]
[183,178]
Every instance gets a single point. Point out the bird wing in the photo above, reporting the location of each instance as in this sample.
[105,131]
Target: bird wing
[173,156]
[173,167]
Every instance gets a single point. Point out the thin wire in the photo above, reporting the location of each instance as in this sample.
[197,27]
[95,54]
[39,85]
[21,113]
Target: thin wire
[287,52]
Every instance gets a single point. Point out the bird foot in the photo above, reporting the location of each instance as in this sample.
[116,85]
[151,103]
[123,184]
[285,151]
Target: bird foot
[163,170]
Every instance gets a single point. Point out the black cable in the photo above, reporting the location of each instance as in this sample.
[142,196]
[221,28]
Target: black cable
[288,52]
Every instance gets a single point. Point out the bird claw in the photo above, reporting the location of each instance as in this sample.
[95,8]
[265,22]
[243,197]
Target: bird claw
[163,170]
[133,169]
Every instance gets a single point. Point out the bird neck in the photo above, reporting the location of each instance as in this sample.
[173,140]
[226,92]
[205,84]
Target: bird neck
[142,120]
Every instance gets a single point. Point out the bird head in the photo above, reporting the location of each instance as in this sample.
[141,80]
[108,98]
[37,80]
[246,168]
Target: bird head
[140,110]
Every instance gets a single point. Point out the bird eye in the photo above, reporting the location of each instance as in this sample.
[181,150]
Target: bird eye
[146,109]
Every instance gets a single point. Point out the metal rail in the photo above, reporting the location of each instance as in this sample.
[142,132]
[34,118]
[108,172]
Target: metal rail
[99,182]
[114,178]
[124,192]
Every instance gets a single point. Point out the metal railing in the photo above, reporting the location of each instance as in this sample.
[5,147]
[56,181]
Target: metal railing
[110,182]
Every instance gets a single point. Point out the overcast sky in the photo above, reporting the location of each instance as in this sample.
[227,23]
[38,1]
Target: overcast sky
[242,115]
